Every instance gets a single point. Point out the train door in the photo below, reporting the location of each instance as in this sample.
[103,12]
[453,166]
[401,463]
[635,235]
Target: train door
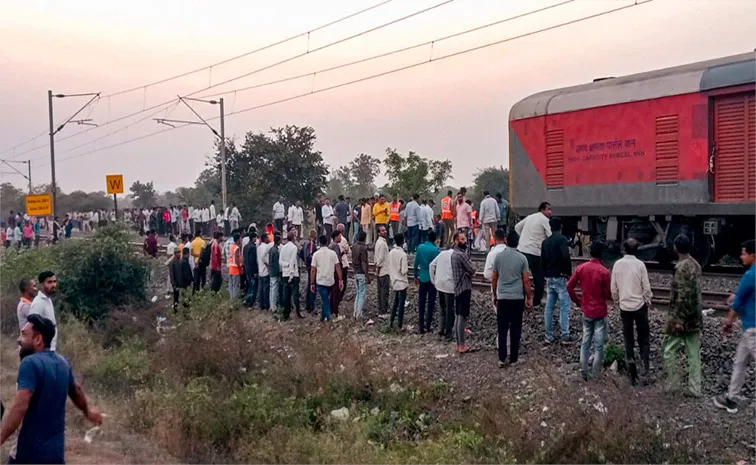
[734,149]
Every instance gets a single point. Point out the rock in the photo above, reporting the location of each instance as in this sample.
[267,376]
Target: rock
[375,411]
[395,388]
[467,398]
[543,424]
[614,367]
[341,414]
[442,355]
[709,312]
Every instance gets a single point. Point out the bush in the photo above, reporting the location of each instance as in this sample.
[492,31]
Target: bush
[94,275]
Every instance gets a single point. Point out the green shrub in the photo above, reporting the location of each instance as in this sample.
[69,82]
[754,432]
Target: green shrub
[614,353]
[122,369]
[94,275]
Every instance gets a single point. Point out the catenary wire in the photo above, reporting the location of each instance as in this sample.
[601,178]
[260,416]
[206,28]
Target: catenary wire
[374,76]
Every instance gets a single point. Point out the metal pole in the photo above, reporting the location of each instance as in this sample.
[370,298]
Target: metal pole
[115,207]
[28,165]
[52,149]
[223,153]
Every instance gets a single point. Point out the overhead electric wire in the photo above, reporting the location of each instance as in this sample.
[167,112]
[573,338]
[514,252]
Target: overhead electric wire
[374,76]
[386,54]
[246,54]
[294,57]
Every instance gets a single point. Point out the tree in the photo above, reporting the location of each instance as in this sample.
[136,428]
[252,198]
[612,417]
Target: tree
[143,194]
[414,174]
[282,162]
[11,198]
[340,183]
[492,179]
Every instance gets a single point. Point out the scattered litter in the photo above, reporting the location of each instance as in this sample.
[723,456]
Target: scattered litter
[90,434]
[369,322]
[442,355]
[614,367]
[395,388]
[687,427]
[341,367]
[709,312]
[153,299]
[543,424]
[740,462]
[340,414]
[600,407]
[545,409]
[467,331]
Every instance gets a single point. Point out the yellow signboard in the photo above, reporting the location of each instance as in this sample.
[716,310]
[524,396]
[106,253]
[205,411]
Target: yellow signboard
[115,183]
[39,205]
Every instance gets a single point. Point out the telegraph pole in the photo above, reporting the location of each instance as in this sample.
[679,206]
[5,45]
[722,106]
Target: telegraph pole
[28,165]
[223,152]
[52,149]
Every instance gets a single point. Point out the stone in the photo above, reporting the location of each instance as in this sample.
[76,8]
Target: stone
[341,414]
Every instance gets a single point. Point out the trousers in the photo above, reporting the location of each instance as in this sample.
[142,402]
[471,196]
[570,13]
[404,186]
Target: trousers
[534,263]
[360,282]
[509,320]
[446,321]
[216,278]
[557,291]
[397,312]
[290,296]
[383,294]
[426,294]
[639,319]
[671,344]
[264,292]
[594,331]
[462,312]
[743,354]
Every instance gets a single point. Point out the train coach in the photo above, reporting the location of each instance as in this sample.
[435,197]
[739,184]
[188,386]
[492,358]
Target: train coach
[648,156]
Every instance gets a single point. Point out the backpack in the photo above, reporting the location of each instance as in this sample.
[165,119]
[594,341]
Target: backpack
[204,259]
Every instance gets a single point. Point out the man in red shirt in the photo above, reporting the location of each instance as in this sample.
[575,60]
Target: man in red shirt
[595,282]
[216,261]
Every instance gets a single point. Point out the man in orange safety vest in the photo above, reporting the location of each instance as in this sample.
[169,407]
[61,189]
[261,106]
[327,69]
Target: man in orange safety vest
[448,218]
[394,212]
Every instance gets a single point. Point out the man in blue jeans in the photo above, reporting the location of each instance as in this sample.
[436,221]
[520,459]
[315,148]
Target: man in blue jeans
[557,268]
[595,283]
[426,253]
[322,271]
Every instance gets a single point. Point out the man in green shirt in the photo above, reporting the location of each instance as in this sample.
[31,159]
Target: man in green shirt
[424,255]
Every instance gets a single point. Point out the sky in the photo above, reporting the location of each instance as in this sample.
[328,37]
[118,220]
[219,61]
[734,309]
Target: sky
[454,108]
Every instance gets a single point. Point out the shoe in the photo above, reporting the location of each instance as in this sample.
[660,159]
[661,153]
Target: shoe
[569,340]
[463,349]
[547,340]
[726,403]
[502,364]
[584,376]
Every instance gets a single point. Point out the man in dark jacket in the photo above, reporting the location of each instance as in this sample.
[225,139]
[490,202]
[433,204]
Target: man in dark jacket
[181,274]
[557,268]
[251,269]
[309,248]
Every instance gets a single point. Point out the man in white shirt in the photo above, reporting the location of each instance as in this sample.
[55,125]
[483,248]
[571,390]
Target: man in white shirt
[42,304]
[501,244]
[296,217]
[205,218]
[278,214]
[489,216]
[533,230]
[289,264]
[264,272]
[346,252]
[213,217]
[412,214]
[424,223]
[631,292]
[234,217]
[398,267]
[322,272]
[442,277]
[328,217]
[382,270]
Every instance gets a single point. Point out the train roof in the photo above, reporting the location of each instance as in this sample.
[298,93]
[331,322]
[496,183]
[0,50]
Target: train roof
[694,77]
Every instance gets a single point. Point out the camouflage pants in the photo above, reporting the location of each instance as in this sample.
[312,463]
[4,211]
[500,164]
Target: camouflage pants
[671,345]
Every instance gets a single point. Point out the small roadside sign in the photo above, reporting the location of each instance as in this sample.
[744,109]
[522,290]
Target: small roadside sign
[114,183]
[39,205]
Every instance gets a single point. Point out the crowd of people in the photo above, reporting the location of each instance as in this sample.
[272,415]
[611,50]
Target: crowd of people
[262,269]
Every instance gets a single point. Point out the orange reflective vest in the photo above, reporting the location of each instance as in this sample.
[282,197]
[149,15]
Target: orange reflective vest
[475,218]
[394,209]
[446,208]
[233,267]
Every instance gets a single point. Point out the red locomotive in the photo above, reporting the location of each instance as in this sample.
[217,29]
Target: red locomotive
[648,156]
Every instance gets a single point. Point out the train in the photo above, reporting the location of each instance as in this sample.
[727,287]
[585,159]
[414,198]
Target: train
[648,156]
